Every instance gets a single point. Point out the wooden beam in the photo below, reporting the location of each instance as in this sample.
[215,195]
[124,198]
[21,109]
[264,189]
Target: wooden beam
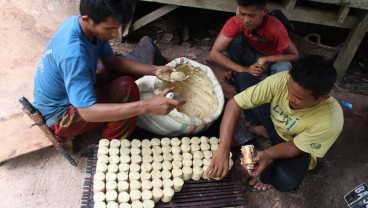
[289,4]
[343,13]
[358,4]
[153,16]
[126,28]
[226,6]
[351,44]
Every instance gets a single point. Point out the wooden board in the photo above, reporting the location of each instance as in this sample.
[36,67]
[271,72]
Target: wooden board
[18,138]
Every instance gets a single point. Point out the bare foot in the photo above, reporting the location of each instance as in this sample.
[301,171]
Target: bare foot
[259,185]
[259,130]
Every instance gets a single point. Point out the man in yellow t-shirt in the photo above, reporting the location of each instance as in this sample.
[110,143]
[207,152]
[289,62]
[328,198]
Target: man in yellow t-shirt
[301,119]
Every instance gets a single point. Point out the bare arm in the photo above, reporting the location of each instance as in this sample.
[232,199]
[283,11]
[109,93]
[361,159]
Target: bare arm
[220,160]
[102,112]
[289,54]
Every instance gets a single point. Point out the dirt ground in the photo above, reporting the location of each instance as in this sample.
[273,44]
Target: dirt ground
[45,179]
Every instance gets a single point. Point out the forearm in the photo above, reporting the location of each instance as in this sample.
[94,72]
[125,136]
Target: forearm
[283,150]
[101,112]
[228,124]
[280,58]
[127,66]
[224,61]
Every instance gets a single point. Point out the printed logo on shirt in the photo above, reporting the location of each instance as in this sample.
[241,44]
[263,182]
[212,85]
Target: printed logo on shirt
[40,65]
[281,116]
[315,146]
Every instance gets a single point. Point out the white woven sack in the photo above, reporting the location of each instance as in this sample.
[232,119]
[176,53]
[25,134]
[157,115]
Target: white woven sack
[176,123]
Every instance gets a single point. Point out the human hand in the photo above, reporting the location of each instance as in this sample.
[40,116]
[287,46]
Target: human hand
[262,160]
[256,69]
[163,72]
[219,164]
[262,61]
[161,105]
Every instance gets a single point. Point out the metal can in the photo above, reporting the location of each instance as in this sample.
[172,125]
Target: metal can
[247,159]
[172,95]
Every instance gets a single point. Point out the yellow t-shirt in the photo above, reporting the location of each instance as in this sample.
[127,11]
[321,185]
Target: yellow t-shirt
[314,129]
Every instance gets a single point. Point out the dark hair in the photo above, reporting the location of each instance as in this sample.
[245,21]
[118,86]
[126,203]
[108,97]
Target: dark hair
[314,73]
[100,10]
[260,4]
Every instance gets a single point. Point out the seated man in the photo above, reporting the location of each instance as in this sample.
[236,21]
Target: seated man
[301,118]
[73,96]
[257,43]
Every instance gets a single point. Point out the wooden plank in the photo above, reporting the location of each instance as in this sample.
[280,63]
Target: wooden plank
[343,12]
[153,16]
[18,138]
[351,44]
[289,4]
[359,4]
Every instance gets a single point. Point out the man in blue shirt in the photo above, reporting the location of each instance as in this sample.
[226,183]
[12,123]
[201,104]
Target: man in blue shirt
[75,97]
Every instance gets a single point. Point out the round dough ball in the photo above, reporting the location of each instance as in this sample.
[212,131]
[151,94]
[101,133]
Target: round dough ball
[124,159]
[146,143]
[185,140]
[100,204]
[134,167]
[125,205]
[187,162]
[165,174]
[177,164]
[114,151]
[156,165]
[155,174]
[99,186]
[135,151]
[185,147]
[156,150]
[175,141]
[146,167]
[137,204]
[231,163]
[112,204]
[195,140]
[146,185]
[175,149]
[125,151]
[147,159]
[155,142]
[103,143]
[113,168]
[110,176]
[177,157]
[111,195]
[165,141]
[111,185]
[115,143]
[146,195]
[187,173]
[157,194]
[194,148]
[146,151]
[114,159]
[214,147]
[99,176]
[124,167]
[123,186]
[168,194]
[135,185]
[204,140]
[158,158]
[136,159]
[177,173]
[157,183]
[145,176]
[187,155]
[177,76]
[136,143]
[125,143]
[205,146]
[206,162]
[99,196]
[135,195]
[207,154]
[148,204]
[122,176]
[214,140]
[166,165]
[101,167]
[198,155]
[166,149]
[197,162]
[167,183]
[103,151]
[102,159]
[168,157]
[123,197]
[178,184]
[134,176]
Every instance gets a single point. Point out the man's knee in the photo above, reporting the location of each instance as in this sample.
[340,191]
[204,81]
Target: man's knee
[280,66]
[129,88]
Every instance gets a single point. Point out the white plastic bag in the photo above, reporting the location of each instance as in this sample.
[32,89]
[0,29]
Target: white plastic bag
[176,123]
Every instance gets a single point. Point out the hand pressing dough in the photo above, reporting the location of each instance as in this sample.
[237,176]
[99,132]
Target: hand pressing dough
[124,167]
[110,176]
[125,143]
[125,151]
[146,195]
[214,147]
[146,185]
[114,159]
[204,176]
[111,185]
[99,186]
[102,159]
[103,143]
[136,143]
[99,196]
[113,168]
[135,185]
[185,140]
[146,167]
[114,151]
[178,184]
[111,195]
[165,141]
[123,197]
[146,143]
[155,142]
[168,194]
[135,195]
[122,176]
[115,143]
[124,159]
[123,186]
[175,141]
[157,194]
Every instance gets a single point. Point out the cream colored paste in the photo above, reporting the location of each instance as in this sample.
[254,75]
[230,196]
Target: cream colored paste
[197,92]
